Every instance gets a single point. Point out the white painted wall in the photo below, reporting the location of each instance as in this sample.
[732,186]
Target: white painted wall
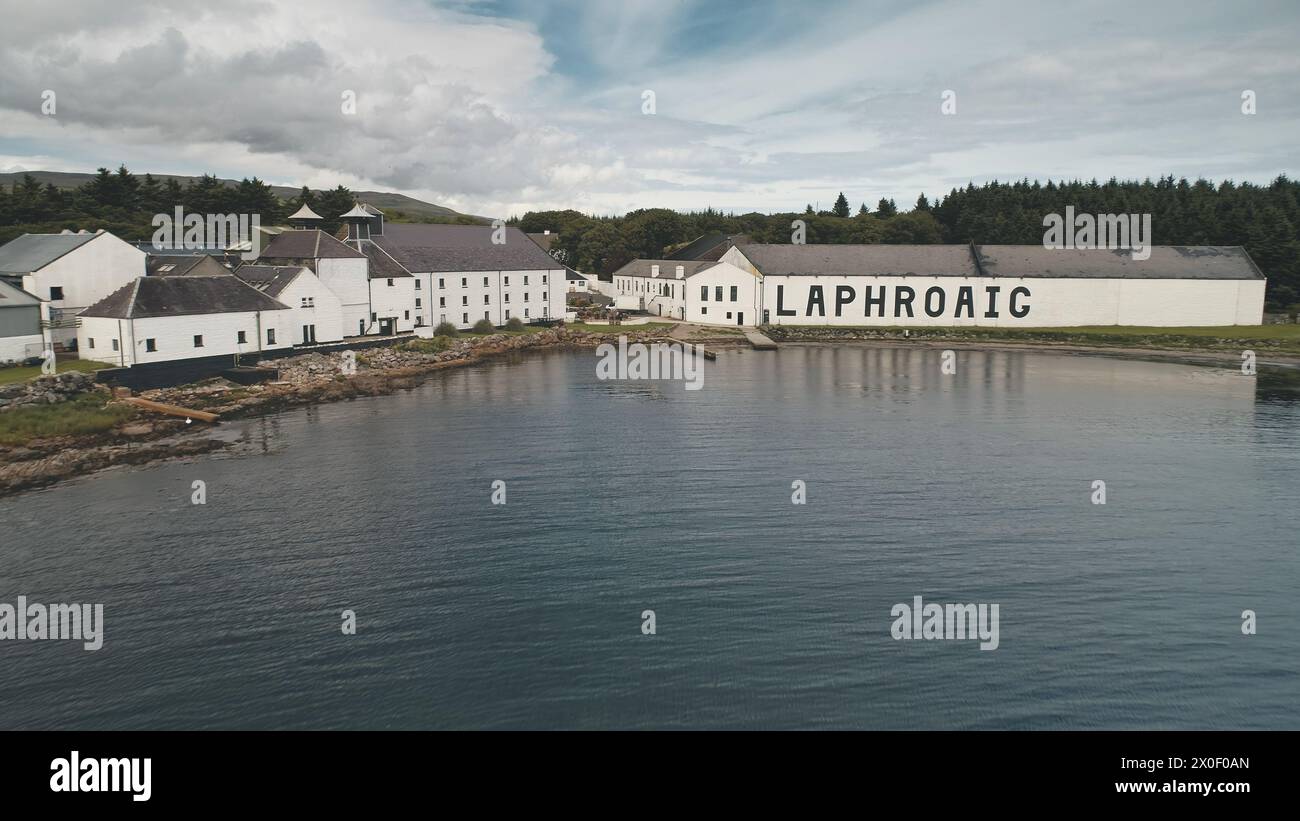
[393,297]
[744,309]
[349,279]
[322,308]
[1042,301]
[87,274]
[174,336]
[17,348]
[465,297]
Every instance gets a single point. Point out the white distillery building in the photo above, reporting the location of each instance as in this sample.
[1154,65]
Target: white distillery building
[344,270]
[69,272]
[315,313]
[462,276]
[163,319]
[21,335]
[964,285]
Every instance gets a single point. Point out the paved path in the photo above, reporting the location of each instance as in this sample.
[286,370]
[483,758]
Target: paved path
[760,342]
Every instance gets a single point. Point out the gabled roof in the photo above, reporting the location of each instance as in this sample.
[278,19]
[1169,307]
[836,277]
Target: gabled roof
[708,247]
[269,279]
[382,266]
[667,267]
[309,244]
[1165,262]
[169,265]
[433,248]
[32,252]
[11,296]
[869,260]
[181,296]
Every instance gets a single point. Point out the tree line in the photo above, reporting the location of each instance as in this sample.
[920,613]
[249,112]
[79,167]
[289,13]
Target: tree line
[125,204]
[1265,219]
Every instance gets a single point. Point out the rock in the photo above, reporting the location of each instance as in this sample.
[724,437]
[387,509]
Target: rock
[143,429]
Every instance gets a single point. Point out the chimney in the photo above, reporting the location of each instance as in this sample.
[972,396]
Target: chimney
[681,271]
[654,270]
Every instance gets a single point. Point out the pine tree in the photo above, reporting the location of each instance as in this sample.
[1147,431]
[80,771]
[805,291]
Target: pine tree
[841,207]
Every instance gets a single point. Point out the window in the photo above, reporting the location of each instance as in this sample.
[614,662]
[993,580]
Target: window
[704,293]
[545,296]
[464,300]
[525,296]
[390,282]
[487,299]
[704,310]
[417,302]
[487,315]
[270,336]
[525,279]
[507,280]
[242,339]
[151,345]
[717,293]
[543,279]
[308,333]
[114,344]
[464,282]
[56,292]
[507,297]
[728,314]
[309,302]
[198,340]
[442,283]
[374,317]
[507,313]
[406,315]
[464,319]
[442,302]
[361,327]
[485,284]
[734,290]
[417,285]
[91,341]
[525,312]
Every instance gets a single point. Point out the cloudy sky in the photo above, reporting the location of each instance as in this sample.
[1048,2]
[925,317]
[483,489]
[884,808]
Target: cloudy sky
[498,107]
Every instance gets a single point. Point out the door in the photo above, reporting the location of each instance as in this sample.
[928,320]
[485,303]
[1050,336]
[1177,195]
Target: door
[740,319]
[386,326]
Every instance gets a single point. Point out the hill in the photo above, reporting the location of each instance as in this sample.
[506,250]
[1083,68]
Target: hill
[411,209]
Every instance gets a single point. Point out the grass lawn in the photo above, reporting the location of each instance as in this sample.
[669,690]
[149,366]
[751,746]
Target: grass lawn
[11,375]
[86,414]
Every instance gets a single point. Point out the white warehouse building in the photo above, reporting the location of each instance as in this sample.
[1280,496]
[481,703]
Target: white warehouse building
[953,286]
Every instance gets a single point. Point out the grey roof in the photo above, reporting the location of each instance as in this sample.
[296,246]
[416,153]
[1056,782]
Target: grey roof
[1166,262]
[544,240]
[569,273]
[432,248]
[156,265]
[309,244]
[871,260]
[269,279]
[11,296]
[382,266]
[667,267]
[709,246]
[182,296]
[32,252]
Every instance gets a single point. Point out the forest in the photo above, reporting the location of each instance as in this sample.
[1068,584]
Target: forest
[1265,219]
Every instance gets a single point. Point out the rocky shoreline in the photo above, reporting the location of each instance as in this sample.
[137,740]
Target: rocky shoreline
[308,379]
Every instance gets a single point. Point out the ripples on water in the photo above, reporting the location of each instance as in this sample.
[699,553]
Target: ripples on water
[631,496]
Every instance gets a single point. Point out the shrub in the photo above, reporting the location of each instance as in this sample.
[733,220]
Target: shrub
[515,324]
[484,326]
[446,329]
